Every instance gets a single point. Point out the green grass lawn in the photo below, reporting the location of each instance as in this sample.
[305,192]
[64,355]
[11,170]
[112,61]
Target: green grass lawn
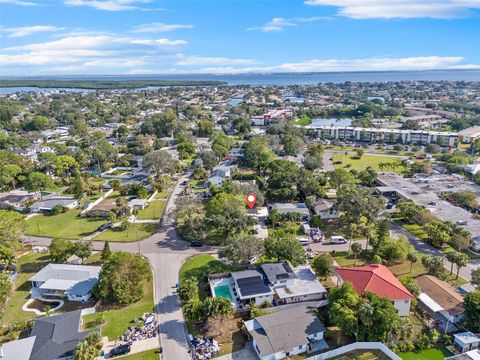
[68,225]
[144,230]
[416,230]
[366,161]
[429,354]
[117,319]
[144,355]
[29,264]
[154,210]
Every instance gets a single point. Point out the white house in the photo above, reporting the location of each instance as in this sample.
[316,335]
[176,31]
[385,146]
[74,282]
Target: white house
[250,285]
[441,301]
[466,341]
[219,174]
[325,209]
[379,280]
[73,282]
[286,332]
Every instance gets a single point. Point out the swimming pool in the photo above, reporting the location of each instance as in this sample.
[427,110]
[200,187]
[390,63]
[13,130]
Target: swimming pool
[223,291]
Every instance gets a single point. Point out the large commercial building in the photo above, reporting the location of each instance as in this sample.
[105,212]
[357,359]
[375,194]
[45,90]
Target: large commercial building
[384,135]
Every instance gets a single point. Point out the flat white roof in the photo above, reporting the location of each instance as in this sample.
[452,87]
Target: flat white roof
[306,283]
[430,303]
[467,337]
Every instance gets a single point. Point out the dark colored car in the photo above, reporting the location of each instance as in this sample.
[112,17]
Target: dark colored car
[120,350]
[105,226]
[196,244]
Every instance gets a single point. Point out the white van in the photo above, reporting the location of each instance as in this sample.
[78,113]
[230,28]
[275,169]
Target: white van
[338,240]
[303,240]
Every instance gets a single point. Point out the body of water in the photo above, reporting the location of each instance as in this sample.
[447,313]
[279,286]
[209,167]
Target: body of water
[281,79]
[335,122]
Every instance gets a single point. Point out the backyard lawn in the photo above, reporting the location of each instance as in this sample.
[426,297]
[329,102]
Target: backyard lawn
[429,354]
[29,264]
[144,355]
[118,319]
[68,225]
[154,210]
[144,230]
[365,161]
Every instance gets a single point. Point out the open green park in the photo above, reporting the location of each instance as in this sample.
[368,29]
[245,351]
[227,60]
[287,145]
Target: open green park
[348,161]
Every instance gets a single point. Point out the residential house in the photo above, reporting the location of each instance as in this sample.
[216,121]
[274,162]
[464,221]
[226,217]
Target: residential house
[17,199]
[250,285]
[466,341]
[52,338]
[46,205]
[287,332]
[102,209]
[441,301]
[138,204]
[379,280]
[325,209]
[71,282]
[292,208]
[219,174]
[469,355]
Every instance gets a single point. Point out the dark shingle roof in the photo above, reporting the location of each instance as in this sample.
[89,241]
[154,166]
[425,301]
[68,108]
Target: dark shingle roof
[56,336]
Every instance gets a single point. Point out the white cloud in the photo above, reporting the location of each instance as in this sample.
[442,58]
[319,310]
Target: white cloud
[387,9]
[339,65]
[29,30]
[160,42]
[159,27]
[280,23]
[105,52]
[109,5]
[19,2]
[207,61]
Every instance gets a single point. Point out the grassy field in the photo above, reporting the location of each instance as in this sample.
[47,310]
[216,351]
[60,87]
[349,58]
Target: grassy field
[154,210]
[429,354]
[144,230]
[144,355]
[68,225]
[367,160]
[117,319]
[29,264]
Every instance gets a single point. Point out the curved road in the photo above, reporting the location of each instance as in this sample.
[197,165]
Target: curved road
[166,252]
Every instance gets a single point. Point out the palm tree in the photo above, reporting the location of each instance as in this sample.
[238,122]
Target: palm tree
[381,166]
[356,249]
[413,258]
[365,315]
[461,260]
[89,348]
[369,233]
[7,256]
[451,256]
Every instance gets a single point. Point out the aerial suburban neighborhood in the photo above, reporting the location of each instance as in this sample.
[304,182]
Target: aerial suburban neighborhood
[241,222]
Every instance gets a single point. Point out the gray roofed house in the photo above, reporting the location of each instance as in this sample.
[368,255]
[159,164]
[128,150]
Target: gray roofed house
[278,273]
[18,349]
[287,332]
[296,208]
[46,205]
[52,338]
[75,282]
[57,336]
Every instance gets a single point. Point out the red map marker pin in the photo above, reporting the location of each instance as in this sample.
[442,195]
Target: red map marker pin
[251,200]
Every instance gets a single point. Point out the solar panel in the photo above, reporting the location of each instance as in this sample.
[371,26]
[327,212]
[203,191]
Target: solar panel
[282,276]
[252,286]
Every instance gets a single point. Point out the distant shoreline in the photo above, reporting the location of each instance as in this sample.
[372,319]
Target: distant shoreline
[106,85]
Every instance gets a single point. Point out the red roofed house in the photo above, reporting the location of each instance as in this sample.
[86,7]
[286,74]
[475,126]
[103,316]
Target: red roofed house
[380,281]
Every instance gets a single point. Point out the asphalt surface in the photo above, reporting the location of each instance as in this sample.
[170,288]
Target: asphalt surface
[166,252]
[424,248]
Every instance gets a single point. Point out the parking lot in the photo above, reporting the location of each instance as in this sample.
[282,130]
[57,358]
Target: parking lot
[425,191]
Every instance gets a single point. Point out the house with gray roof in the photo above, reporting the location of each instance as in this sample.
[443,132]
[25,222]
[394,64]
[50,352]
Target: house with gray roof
[287,332]
[46,205]
[52,338]
[292,208]
[72,282]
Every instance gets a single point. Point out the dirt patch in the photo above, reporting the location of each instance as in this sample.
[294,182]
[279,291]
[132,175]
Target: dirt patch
[41,305]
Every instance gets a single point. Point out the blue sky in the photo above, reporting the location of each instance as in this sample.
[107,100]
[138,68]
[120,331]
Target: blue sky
[42,37]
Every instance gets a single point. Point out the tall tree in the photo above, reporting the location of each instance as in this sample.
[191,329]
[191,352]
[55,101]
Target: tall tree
[160,162]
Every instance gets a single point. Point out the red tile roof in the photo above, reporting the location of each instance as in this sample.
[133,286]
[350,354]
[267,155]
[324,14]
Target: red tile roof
[376,279]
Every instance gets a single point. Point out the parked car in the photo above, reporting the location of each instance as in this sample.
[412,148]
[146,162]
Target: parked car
[196,244]
[462,222]
[105,226]
[338,240]
[120,350]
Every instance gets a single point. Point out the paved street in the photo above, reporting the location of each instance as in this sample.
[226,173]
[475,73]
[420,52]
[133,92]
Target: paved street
[424,248]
